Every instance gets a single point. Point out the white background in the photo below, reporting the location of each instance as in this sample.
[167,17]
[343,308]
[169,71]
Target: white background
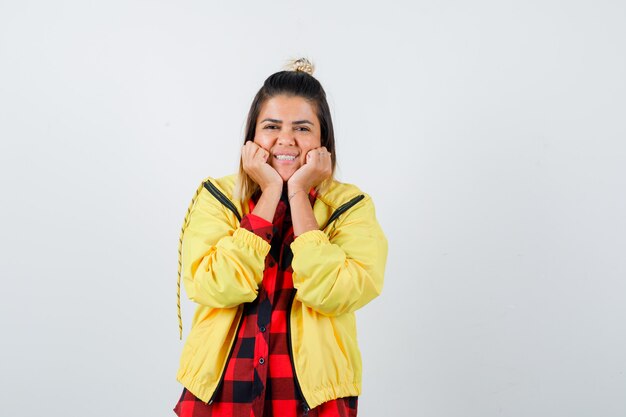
[491,135]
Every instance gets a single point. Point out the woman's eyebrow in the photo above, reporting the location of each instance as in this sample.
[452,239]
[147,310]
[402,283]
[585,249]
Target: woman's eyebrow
[297,122]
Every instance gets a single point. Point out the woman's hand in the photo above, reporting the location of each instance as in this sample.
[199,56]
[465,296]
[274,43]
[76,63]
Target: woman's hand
[317,168]
[254,159]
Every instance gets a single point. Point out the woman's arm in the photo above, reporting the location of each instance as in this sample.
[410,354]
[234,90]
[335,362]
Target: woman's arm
[341,274]
[222,264]
[313,172]
[302,216]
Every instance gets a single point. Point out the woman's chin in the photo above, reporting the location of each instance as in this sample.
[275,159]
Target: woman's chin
[285,174]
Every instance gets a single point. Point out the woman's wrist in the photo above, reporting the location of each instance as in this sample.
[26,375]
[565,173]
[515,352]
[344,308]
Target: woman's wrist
[293,187]
[302,216]
[291,194]
[267,203]
[275,187]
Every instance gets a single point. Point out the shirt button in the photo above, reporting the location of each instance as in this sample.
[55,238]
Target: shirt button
[261,361]
[263,329]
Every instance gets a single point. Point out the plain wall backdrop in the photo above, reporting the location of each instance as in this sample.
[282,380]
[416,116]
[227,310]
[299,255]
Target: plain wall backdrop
[490,134]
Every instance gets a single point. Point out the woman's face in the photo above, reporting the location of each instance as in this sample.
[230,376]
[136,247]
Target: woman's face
[287,127]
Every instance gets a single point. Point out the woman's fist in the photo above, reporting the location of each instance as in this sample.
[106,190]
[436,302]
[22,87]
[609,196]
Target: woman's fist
[317,168]
[254,161]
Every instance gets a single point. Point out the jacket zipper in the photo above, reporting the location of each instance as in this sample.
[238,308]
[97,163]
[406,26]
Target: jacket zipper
[221,198]
[293,361]
[342,209]
[232,349]
[229,204]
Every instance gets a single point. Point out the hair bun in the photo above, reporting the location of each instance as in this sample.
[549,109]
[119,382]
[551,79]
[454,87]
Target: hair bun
[300,65]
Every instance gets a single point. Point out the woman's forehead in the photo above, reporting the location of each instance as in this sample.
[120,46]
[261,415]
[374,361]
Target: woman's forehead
[287,109]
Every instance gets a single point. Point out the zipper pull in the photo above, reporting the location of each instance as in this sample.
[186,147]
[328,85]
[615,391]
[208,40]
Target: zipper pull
[306,409]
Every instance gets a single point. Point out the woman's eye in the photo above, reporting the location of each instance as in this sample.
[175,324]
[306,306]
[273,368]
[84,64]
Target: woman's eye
[269,127]
[306,129]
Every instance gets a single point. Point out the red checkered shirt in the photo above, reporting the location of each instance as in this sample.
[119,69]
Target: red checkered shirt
[259,378]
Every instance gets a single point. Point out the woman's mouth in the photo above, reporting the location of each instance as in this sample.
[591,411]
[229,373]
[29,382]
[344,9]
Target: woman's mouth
[285,157]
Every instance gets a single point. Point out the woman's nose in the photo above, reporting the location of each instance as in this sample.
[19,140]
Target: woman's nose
[286,137]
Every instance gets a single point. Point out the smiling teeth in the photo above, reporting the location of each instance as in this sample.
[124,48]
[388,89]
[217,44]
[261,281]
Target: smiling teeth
[285,157]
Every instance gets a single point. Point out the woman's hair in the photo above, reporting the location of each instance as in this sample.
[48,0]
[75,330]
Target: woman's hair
[296,80]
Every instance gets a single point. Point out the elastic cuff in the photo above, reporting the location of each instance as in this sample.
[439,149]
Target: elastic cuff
[311,236]
[258,225]
[251,239]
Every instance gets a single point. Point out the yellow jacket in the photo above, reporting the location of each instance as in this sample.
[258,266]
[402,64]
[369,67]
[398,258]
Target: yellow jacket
[336,270]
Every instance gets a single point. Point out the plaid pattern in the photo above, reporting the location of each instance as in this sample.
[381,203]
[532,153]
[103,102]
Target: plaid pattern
[259,379]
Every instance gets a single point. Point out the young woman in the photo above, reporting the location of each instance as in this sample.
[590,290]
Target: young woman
[278,258]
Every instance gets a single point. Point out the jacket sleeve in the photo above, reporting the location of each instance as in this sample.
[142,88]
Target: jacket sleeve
[341,274]
[222,264]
